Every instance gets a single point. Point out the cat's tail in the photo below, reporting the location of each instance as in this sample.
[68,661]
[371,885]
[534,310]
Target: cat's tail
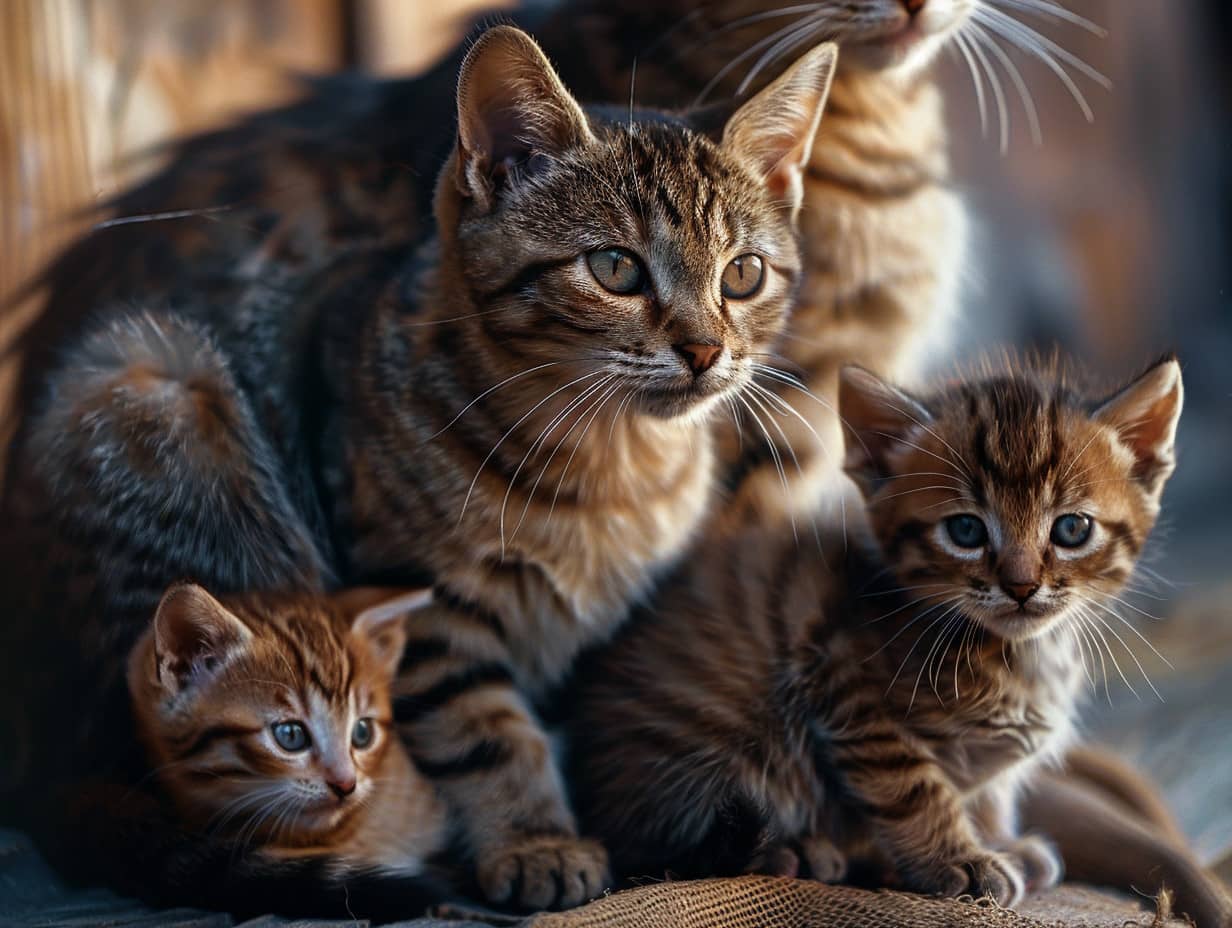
[1107,836]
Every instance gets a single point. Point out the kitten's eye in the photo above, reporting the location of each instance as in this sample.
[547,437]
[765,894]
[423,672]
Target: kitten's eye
[291,736]
[616,270]
[966,531]
[1072,530]
[742,277]
[362,733]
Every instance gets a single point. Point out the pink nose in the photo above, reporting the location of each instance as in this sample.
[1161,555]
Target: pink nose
[700,358]
[341,786]
[1021,592]
[913,6]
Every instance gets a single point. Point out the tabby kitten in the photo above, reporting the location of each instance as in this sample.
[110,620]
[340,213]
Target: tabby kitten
[883,232]
[810,713]
[518,413]
[270,717]
[276,779]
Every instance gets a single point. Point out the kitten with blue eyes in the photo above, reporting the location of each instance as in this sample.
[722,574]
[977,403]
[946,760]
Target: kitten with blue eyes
[879,707]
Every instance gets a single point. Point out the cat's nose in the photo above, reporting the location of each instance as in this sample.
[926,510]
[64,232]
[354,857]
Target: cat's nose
[341,785]
[913,6]
[700,358]
[1020,592]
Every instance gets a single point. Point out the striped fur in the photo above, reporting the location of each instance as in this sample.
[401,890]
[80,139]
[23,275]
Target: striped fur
[837,709]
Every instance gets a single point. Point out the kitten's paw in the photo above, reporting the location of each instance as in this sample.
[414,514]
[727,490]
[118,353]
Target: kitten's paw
[1039,862]
[544,872]
[997,876]
[826,863]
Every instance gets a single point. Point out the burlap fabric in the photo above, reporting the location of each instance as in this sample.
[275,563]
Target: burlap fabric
[761,902]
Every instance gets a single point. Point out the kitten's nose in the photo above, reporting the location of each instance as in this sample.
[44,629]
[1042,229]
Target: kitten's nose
[1020,592]
[700,358]
[913,6]
[341,785]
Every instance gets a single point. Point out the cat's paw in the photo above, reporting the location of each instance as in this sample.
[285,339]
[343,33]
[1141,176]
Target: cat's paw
[546,872]
[1039,862]
[826,863]
[997,876]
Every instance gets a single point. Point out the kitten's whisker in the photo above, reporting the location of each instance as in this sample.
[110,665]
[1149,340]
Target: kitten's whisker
[933,624]
[791,410]
[894,612]
[1128,650]
[883,499]
[1123,602]
[805,32]
[753,49]
[1124,621]
[787,441]
[903,589]
[932,454]
[1096,622]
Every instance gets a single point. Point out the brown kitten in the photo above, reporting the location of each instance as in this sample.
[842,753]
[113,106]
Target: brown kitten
[268,728]
[805,711]
[269,718]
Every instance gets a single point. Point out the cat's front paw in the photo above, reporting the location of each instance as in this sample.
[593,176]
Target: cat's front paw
[546,872]
[826,863]
[997,876]
[1039,862]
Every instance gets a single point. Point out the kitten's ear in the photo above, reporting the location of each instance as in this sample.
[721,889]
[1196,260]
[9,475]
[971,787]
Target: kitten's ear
[511,108]
[194,635]
[380,616]
[1145,415]
[876,418]
[774,131]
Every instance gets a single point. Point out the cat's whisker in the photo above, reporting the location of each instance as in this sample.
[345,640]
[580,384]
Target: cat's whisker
[1126,603]
[1124,621]
[575,403]
[787,441]
[564,473]
[1097,626]
[896,611]
[935,650]
[804,32]
[882,499]
[998,92]
[512,428]
[944,616]
[1128,650]
[1046,51]
[775,456]
[735,62]
[961,42]
[491,390]
[1019,82]
[1051,10]
[791,410]
[904,589]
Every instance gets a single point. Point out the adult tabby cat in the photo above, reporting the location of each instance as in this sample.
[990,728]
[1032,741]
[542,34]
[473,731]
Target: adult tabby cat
[806,713]
[519,415]
[268,725]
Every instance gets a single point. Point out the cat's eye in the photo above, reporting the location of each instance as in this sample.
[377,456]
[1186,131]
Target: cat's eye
[966,531]
[1072,530]
[742,277]
[291,736]
[363,733]
[616,270]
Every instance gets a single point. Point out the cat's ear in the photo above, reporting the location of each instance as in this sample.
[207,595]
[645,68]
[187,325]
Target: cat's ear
[512,110]
[773,132]
[379,619]
[877,419]
[1145,415]
[194,635]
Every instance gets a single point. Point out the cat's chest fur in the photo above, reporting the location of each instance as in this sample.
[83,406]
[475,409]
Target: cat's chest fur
[1006,719]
